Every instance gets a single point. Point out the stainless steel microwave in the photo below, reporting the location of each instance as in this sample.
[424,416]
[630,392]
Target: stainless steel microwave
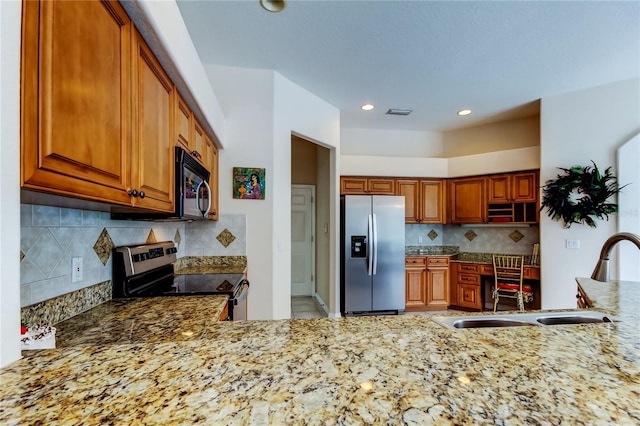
[192,193]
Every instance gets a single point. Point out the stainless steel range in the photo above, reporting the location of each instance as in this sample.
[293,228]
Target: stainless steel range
[147,270]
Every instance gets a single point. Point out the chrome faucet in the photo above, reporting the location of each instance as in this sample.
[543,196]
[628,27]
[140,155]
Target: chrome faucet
[601,273]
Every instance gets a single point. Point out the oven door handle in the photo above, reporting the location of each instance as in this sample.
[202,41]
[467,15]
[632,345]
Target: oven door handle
[243,293]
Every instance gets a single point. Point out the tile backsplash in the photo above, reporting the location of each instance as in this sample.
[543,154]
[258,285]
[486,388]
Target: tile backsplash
[502,239]
[50,237]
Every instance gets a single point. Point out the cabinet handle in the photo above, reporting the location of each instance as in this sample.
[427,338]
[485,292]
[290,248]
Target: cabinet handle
[133,193]
[141,194]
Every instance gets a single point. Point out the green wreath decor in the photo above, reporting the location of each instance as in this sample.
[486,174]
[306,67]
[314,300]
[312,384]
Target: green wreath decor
[587,181]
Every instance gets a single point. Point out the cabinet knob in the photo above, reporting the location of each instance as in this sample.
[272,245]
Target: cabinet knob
[133,193]
[141,194]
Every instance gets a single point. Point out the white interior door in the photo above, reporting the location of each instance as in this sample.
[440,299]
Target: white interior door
[302,240]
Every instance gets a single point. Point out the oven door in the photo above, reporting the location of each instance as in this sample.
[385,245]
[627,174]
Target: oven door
[238,303]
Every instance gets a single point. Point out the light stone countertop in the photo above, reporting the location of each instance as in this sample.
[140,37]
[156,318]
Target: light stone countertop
[358,370]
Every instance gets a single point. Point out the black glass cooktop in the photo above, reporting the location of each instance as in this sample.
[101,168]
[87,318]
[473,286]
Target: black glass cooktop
[206,283]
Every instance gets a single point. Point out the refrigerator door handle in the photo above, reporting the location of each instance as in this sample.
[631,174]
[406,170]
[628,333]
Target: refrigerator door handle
[370,245]
[375,245]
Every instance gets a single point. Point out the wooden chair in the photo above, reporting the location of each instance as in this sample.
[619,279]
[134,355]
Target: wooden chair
[508,275]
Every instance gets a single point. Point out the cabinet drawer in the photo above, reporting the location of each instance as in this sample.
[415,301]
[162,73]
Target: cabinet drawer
[486,269]
[468,279]
[531,273]
[437,261]
[469,267]
[415,261]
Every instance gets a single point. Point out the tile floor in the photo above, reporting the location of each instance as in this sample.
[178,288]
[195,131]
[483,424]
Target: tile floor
[307,307]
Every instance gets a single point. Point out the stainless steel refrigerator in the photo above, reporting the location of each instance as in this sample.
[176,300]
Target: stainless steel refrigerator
[372,262]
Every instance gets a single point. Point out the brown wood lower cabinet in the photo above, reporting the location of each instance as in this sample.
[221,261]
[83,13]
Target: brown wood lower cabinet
[583,301]
[427,283]
[467,284]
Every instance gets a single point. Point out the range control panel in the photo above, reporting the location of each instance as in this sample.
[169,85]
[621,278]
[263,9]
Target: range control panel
[145,257]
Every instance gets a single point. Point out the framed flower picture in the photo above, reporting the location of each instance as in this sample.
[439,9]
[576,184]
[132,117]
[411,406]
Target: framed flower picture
[248,183]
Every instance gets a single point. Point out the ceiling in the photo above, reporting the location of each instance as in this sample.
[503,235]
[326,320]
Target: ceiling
[432,57]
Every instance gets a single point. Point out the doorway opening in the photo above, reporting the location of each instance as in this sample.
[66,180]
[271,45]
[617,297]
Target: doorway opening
[310,215]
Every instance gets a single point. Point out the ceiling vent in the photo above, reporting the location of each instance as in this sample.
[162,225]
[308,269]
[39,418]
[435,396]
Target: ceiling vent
[394,111]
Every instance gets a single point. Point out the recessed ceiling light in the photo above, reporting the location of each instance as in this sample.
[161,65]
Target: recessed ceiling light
[274,6]
[367,107]
[463,112]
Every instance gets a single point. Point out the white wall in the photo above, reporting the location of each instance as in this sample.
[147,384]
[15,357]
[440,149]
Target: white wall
[262,110]
[469,165]
[628,156]
[500,136]
[161,24]
[495,162]
[390,143]
[301,112]
[576,128]
[10,13]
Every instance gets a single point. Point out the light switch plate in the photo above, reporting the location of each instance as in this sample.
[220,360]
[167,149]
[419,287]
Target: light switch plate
[76,269]
[573,244]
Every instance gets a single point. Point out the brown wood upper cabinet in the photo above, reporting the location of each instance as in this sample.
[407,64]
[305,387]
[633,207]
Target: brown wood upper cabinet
[76,100]
[153,154]
[184,123]
[366,186]
[513,188]
[96,112]
[210,160]
[467,200]
[424,200]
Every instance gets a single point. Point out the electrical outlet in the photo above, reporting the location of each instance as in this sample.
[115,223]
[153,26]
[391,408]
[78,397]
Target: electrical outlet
[573,244]
[76,269]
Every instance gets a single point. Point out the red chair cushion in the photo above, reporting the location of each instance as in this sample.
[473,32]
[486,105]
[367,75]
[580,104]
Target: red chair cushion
[515,287]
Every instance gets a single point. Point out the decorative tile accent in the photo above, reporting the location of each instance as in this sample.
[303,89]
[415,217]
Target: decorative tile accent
[470,235]
[21,255]
[54,310]
[151,238]
[516,236]
[432,234]
[225,237]
[103,246]
[177,238]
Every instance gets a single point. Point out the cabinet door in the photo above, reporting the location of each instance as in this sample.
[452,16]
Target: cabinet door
[381,186]
[466,200]
[431,201]
[410,189]
[212,166]
[416,289]
[183,123]
[75,99]
[499,189]
[353,186]
[199,141]
[525,187]
[437,288]
[469,296]
[153,136]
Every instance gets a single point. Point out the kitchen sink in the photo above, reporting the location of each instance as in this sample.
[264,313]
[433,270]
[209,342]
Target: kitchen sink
[488,322]
[524,319]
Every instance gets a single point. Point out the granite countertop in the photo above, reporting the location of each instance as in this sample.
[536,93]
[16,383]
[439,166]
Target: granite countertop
[358,370]
[460,257]
[211,265]
[143,320]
